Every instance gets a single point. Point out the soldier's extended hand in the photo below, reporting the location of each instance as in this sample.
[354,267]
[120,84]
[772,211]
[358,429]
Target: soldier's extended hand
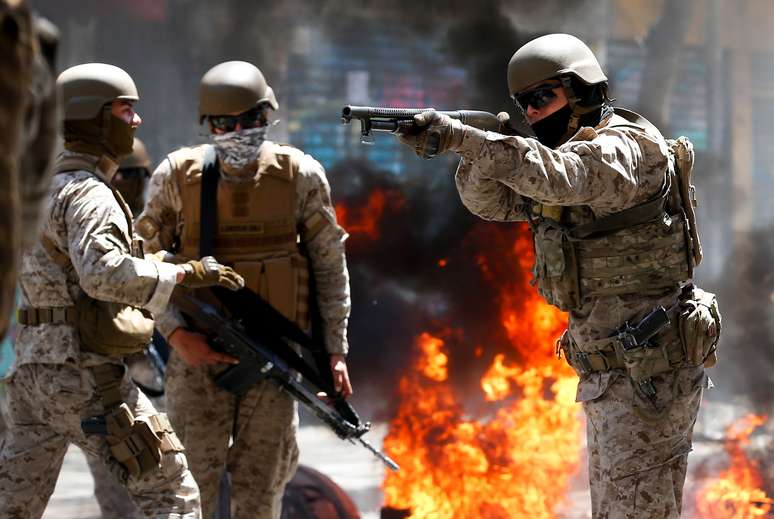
[340,375]
[207,272]
[437,133]
[194,350]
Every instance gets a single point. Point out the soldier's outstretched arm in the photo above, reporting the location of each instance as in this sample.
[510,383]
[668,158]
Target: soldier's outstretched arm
[324,242]
[580,172]
[99,248]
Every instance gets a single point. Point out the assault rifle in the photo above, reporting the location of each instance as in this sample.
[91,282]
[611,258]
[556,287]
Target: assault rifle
[396,120]
[261,337]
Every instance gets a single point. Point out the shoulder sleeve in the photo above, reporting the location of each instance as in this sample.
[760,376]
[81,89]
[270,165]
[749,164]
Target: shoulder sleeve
[324,242]
[160,222]
[99,247]
[608,170]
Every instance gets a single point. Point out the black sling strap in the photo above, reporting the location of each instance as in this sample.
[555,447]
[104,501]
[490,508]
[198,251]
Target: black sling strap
[642,213]
[208,208]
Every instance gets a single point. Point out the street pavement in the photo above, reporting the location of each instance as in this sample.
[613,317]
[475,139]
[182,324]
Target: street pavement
[352,467]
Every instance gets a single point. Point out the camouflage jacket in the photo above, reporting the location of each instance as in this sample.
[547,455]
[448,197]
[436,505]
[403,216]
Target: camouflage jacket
[83,219]
[607,169]
[162,223]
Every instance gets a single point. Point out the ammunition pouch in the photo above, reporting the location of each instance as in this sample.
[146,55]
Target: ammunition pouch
[137,443]
[556,267]
[699,323]
[112,329]
[641,362]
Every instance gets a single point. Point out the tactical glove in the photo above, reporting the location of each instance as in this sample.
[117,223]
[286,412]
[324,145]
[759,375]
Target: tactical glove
[437,133]
[207,272]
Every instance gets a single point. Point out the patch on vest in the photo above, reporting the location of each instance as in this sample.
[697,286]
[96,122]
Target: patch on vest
[146,228]
[241,228]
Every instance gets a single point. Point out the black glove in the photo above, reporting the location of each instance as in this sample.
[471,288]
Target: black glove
[437,133]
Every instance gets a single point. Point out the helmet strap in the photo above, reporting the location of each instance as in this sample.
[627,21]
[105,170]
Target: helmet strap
[578,111]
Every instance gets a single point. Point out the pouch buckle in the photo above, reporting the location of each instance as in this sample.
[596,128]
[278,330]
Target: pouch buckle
[582,359]
[59,314]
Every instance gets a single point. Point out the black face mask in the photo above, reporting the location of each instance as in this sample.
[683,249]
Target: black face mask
[550,130]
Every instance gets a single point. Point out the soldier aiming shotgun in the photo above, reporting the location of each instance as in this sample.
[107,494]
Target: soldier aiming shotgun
[401,120]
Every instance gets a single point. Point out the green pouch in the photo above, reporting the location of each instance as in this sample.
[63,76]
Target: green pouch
[556,268]
[113,329]
[643,362]
[700,324]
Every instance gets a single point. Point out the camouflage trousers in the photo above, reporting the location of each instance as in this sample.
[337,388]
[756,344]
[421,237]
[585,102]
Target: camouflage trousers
[253,437]
[638,449]
[112,496]
[46,403]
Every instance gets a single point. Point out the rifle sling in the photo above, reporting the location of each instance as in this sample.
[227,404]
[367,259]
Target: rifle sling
[208,208]
[642,213]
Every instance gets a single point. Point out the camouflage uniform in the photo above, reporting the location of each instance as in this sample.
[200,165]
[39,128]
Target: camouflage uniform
[51,386]
[113,498]
[637,448]
[263,423]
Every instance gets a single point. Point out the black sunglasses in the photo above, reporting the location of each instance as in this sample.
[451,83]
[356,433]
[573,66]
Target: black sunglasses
[249,119]
[538,97]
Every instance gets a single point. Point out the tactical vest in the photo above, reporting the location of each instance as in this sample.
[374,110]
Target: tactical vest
[650,249]
[108,328]
[256,231]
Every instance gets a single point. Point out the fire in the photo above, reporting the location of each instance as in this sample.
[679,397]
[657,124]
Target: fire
[365,220]
[517,462]
[737,492]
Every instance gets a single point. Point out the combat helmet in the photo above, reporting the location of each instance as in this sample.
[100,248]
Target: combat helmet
[87,88]
[233,87]
[132,176]
[553,55]
[139,157]
[561,56]
[89,126]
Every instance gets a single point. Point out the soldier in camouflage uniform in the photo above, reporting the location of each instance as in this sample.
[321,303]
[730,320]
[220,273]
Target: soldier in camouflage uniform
[85,258]
[607,198]
[114,500]
[273,202]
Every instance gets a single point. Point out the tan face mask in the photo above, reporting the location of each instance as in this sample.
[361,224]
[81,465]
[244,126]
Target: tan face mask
[105,134]
[119,137]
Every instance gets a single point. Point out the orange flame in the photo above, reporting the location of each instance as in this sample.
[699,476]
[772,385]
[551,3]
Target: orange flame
[365,220]
[515,464]
[736,493]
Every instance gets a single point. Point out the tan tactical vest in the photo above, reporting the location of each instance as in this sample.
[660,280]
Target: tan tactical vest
[256,230]
[649,249]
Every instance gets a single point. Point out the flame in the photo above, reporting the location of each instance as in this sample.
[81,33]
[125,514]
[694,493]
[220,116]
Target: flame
[365,220]
[517,462]
[737,492]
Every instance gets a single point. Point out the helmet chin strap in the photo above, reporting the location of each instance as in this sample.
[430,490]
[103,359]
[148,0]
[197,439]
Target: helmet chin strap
[578,111]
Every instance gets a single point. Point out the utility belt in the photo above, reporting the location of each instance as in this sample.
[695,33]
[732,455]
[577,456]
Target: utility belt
[112,329]
[47,315]
[685,335]
[136,443]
